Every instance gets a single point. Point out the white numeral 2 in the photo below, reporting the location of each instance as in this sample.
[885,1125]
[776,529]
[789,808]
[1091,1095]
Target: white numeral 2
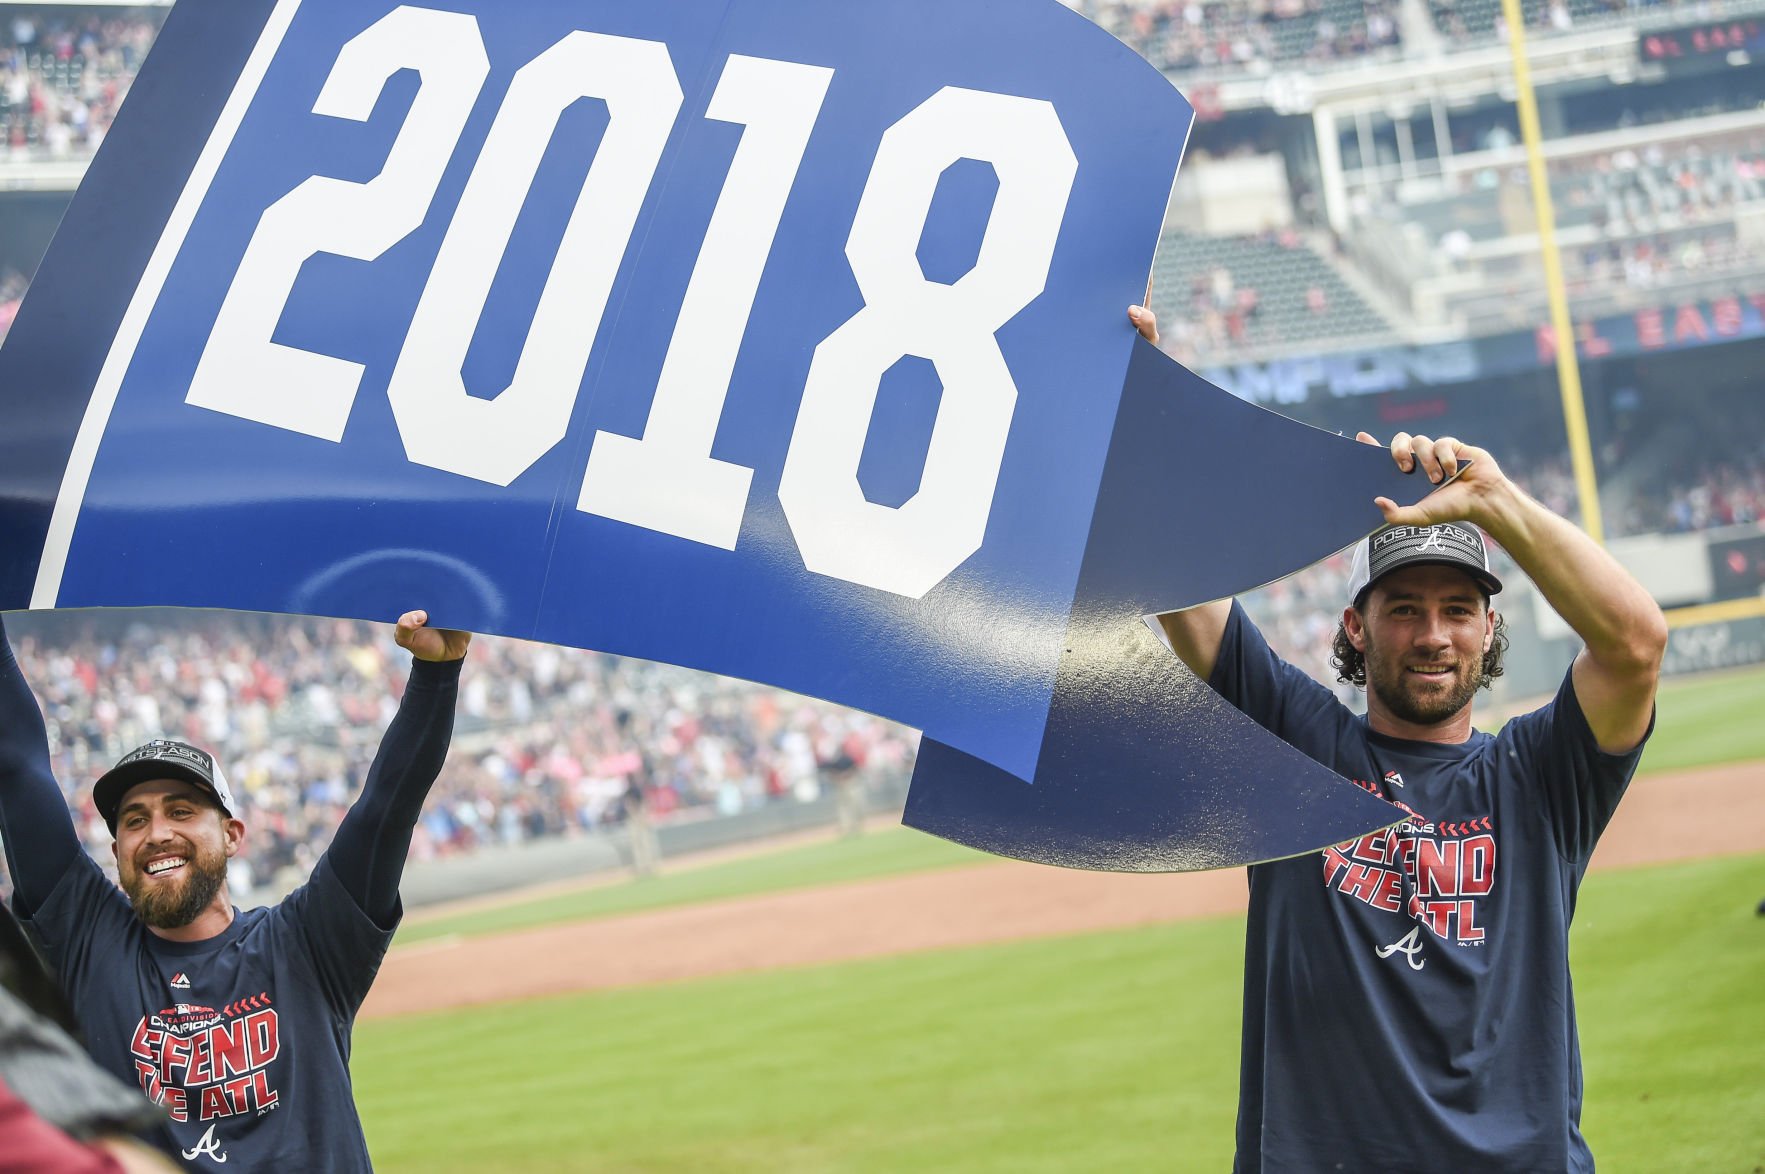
[666,480]
[241,372]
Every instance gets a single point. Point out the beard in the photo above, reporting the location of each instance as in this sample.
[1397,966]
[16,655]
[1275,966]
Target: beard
[175,905]
[1412,698]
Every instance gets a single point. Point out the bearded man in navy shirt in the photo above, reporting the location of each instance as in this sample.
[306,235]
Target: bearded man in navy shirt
[1407,998]
[236,1022]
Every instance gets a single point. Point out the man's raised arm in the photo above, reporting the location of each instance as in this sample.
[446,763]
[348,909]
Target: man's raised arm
[1194,633]
[41,842]
[369,851]
[1622,628]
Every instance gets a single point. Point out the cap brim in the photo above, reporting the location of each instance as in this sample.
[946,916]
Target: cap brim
[108,791]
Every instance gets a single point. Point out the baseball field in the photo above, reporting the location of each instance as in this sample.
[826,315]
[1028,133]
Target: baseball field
[898,1003]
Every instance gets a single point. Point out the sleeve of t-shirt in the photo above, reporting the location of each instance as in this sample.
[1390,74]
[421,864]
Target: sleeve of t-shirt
[1272,693]
[368,853]
[1578,784]
[82,924]
[342,942]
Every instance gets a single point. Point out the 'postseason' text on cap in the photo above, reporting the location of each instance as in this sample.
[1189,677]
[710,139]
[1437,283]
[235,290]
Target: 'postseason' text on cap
[1452,544]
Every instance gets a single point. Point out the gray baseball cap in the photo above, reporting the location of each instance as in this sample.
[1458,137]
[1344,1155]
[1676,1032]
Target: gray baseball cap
[1451,544]
[161,758]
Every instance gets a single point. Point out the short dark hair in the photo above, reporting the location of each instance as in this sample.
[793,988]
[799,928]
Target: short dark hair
[1351,666]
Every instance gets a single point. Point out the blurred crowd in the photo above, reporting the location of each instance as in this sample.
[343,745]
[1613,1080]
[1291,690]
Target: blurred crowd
[63,73]
[12,292]
[1182,35]
[1256,289]
[549,741]
[1188,35]
[1727,492]
[1466,21]
[1299,614]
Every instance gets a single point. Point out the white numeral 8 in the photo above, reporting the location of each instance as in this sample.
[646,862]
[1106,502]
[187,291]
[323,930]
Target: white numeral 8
[910,549]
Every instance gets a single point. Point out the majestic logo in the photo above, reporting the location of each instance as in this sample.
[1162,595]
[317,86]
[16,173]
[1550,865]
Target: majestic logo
[208,1146]
[1394,778]
[179,981]
[1409,945]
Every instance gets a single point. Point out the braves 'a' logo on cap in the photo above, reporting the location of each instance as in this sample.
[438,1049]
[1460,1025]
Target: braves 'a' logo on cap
[1433,537]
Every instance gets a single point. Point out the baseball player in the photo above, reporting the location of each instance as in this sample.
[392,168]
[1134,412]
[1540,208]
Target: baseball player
[236,1022]
[1407,998]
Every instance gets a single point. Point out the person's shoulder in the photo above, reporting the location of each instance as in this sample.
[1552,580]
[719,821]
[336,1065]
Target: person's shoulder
[81,891]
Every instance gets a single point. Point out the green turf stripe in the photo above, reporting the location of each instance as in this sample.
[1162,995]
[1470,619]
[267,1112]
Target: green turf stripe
[889,852]
[1108,1051]
[1703,721]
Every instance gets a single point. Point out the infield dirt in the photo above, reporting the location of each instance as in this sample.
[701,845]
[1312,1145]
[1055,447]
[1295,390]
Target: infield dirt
[1666,817]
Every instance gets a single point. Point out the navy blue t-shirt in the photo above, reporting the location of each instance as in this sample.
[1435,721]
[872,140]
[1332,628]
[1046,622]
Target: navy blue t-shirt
[1407,1003]
[242,1038]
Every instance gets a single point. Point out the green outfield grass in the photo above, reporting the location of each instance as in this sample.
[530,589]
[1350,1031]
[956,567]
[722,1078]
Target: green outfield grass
[1703,721]
[1113,1051]
[882,853]
[1708,720]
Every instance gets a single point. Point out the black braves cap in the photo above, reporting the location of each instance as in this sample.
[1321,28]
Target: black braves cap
[1451,544]
[161,758]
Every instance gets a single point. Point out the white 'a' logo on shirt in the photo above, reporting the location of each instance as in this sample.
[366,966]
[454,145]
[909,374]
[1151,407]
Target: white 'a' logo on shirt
[208,1145]
[1409,945]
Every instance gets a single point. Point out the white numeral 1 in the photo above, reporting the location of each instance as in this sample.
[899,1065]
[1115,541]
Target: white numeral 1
[241,371]
[668,480]
[496,440]
[910,549]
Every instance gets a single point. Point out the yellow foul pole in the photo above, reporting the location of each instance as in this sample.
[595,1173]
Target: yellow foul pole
[1568,369]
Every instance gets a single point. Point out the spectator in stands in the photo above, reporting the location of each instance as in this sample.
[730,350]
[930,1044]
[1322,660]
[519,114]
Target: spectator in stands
[549,740]
[64,72]
[12,292]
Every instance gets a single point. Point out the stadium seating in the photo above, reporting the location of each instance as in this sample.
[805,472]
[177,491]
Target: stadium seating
[63,73]
[1214,295]
[547,739]
[1466,22]
[1184,37]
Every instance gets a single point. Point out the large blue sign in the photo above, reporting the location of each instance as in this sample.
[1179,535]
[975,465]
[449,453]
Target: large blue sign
[778,338]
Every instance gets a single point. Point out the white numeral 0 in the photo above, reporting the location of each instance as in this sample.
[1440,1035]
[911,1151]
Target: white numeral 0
[496,440]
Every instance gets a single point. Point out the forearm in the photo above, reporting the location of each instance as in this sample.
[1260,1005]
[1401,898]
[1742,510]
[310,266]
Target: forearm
[369,851]
[40,841]
[1194,634]
[1621,626]
[1614,615]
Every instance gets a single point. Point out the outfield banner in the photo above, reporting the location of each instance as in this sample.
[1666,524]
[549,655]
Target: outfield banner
[783,339]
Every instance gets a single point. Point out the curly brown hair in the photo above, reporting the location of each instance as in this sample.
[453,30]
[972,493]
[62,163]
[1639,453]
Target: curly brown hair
[1351,666]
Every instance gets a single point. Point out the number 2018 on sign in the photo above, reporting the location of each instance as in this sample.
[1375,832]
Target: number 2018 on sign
[666,480]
